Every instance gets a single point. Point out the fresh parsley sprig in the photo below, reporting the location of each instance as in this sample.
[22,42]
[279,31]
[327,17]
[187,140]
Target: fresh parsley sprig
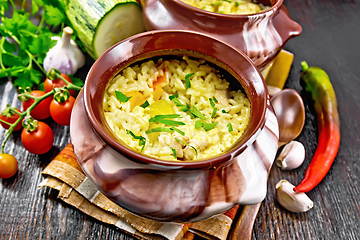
[142,140]
[24,45]
[121,97]
[165,119]
[187,80]
[205,126]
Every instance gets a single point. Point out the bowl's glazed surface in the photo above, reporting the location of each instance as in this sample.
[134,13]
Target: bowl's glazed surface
[165,190]
[261,36]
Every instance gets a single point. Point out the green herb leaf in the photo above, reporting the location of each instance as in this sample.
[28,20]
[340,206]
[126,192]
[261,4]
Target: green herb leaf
[185,108]
[173,96]
[187,80]
[209,126]
[230,128]
[145,104]
[223,111]
[178,130]
[159,129]
[121,97]
[142,140]
[54,16]
[164,116]
[175,99]
[194,111]
[198,124]
[171,122]
[205,126]
[76,81]
[214,112]
[174,152]
[164,119]
[212,103]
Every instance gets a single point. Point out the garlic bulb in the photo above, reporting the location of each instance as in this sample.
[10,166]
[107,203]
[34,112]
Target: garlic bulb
[291,200]
[65,55]
[291,156]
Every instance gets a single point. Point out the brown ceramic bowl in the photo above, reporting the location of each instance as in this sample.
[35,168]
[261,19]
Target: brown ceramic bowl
[154,44]
[260,36]
[181,191]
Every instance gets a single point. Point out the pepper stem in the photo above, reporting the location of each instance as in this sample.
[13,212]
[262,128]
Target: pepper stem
[304,65]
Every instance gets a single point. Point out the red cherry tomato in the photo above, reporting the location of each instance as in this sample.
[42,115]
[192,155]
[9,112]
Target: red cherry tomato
[8,165]
[10,118]
[61,112]
[41,111]
[39,141]
[57,83]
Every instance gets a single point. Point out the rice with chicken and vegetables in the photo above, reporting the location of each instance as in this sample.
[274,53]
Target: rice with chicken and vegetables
[228,6]
[175,109]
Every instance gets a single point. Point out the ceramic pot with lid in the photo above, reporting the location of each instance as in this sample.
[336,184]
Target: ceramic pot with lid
[176,191]
[260,36]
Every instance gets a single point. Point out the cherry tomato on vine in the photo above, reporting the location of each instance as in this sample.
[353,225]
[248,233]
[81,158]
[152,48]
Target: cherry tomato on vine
[57,83]
[61,112]
[39,141]
[41,111]
[10,117]
[8,165]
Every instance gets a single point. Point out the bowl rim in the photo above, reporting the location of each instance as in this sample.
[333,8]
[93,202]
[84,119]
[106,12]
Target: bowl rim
[225,15]
[217,160]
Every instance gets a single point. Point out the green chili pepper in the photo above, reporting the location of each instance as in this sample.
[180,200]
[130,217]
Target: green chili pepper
[318,84]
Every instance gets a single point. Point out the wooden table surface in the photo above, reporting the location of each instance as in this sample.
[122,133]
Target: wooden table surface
[330,40]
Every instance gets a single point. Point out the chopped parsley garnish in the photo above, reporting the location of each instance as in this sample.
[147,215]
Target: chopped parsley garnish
[214,112]
[159,129]
[141,139]
[178,130]
[212,103]
[205,126]
[196,113]
[174,152]
[230,128]
[185,108]
[164,129]
[187,80]
[176,100]
[145,104]
[164,119]
[121,97]
[223,111]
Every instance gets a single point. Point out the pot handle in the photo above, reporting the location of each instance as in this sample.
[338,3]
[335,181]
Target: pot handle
[285,26]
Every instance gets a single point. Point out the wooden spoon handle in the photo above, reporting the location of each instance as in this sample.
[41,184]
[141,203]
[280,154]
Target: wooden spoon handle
[242,230]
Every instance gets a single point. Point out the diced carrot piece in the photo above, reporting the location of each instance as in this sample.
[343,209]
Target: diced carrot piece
[159,81]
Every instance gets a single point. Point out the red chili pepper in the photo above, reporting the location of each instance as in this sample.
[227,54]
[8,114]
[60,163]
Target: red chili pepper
[318,83]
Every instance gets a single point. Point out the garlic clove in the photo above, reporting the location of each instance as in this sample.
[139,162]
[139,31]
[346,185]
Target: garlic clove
[65,55]
[291,200]
[291,156]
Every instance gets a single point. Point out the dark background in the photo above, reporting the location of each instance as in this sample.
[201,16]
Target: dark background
[330,40]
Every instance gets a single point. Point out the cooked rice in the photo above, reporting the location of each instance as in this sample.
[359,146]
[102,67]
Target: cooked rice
[228,6]
[206,83]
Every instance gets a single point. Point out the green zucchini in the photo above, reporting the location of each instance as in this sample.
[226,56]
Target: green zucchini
[102,23]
